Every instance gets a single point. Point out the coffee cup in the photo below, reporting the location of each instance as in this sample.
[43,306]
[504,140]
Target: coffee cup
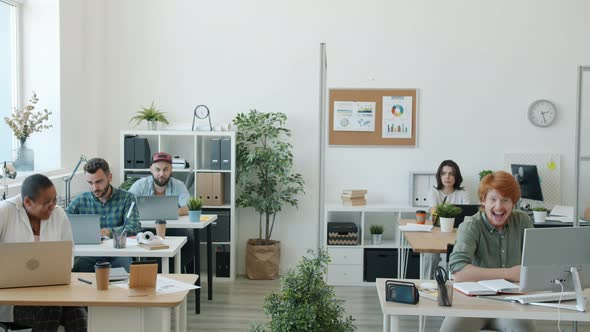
[102,271]
[420,217]
[161,228]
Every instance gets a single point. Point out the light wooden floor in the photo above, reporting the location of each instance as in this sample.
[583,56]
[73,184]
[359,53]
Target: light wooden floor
[237,304]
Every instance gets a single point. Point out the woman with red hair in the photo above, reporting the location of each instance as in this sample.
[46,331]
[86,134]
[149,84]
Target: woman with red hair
[489,246]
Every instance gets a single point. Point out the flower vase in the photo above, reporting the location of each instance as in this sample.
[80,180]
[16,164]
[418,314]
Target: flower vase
[152,125]
[23,157]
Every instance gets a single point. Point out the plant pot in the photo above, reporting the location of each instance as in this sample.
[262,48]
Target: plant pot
[152,125]
[539,216]
[23,157]
[446,224]
[194,215]
[376,238]
[263,259]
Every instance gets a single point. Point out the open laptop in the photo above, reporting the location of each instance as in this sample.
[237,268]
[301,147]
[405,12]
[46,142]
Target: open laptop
[26,264]
[157,207]
[85,228]
[467,210]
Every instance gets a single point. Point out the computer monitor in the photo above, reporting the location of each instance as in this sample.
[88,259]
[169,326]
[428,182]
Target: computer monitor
[549,253]
[528,179]
[467,210]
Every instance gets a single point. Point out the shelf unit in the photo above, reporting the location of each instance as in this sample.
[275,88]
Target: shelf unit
[346,267]
[194,147]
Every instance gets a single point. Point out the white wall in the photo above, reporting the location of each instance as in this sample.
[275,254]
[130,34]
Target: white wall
[477,65]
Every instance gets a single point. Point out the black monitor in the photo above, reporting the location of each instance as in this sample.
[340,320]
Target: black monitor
[467,210]
[528,179]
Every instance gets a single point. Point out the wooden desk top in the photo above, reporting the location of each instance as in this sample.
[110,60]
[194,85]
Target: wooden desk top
[183,222]
[105,248]
[78,293]
[467,306]
[429,242]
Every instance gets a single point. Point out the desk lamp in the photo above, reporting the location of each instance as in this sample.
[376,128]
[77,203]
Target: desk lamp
[68,180]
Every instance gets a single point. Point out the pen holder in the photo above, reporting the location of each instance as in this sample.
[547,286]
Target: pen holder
[445,294]
[119,239]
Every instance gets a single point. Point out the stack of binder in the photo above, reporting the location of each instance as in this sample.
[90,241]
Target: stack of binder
[354,197]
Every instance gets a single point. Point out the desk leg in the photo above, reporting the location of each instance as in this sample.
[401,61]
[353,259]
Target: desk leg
[386,323]
[422,266]
[209,264]
[390,323]
[197,236]
[181,327]
[165,265]
[178,310]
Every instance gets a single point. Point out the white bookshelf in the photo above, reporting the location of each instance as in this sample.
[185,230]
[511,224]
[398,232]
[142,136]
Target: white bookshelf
[346,268]
[194,147]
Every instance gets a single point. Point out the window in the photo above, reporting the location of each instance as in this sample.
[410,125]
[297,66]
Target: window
[8,72]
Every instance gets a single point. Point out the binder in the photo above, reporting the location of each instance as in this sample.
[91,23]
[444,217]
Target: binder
[142,152]
[225,153]
[129,152]
[214,152]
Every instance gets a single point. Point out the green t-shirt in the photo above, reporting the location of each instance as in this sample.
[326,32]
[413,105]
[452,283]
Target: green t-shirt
[480,244]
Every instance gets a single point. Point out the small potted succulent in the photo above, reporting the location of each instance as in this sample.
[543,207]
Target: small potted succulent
[150,114]
[194,209]
[376,233]
[539,214]
[447,214]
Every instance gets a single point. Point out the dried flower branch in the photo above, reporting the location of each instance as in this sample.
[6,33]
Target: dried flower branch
[26,121]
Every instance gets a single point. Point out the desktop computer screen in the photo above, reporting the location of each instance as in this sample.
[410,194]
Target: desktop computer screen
[549,253]
[528,179]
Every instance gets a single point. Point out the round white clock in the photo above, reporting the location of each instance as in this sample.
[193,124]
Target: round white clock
[542,113]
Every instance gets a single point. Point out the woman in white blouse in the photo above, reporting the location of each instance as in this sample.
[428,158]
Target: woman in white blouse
[33,216]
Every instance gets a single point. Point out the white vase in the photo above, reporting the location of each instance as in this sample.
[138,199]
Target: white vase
[446,224]
[376,238]
[539,216]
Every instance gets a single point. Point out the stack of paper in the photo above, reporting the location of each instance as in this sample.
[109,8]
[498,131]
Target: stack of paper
[410,227]
[562,213]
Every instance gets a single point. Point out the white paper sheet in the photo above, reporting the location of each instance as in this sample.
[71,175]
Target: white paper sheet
[411,227]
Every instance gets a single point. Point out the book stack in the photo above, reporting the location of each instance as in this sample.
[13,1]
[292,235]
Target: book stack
[354,197]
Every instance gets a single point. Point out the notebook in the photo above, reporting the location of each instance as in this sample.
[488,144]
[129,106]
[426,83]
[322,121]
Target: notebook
[27,264]
[487,287]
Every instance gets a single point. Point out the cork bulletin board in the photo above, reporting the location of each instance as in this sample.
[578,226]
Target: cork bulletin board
[384,117]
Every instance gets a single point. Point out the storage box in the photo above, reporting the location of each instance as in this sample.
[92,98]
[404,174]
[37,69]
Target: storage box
[343,233]
[210,188]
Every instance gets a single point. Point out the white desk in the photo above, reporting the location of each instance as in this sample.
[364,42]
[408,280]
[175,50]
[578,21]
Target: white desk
[183,222]
[106,249]
[110,310]
[467,306]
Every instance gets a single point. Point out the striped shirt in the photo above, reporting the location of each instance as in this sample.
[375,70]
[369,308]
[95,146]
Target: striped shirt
[112,213]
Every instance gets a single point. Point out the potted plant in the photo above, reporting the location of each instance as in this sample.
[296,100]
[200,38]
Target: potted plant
[483,173]
[24,122]
[539,214]
[376,233]
[150,114]
[447,213]
[305,302]
[194,209]
[266,182]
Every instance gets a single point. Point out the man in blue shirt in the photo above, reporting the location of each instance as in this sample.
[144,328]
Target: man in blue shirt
[112,204]
[161,183]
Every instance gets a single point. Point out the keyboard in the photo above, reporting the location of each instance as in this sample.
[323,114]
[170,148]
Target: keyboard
[542,297]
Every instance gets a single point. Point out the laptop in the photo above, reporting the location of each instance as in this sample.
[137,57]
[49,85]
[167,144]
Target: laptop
[26,264]
[468,210]
[157,207]
[85,228]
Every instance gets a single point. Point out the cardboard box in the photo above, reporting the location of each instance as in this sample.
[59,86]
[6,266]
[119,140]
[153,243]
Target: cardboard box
[210,188]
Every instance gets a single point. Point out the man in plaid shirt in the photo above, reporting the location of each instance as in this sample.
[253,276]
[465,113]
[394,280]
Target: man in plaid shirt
[112,204]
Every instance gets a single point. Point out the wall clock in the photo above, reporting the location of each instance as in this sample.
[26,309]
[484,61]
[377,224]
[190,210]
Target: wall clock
[542,113]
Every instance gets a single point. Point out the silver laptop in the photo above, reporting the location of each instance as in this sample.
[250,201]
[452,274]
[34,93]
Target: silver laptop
[157,207]
[85,228]
[35,264]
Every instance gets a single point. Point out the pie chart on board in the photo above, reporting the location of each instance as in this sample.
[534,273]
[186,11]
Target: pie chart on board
[397,110]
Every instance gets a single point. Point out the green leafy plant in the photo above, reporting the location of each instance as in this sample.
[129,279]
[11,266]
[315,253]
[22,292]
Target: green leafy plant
[376,229]
[540,209]
[151,113]
[483,173]
[264,169]
[447,210]
[126,185]
[306,303]
[195,204]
